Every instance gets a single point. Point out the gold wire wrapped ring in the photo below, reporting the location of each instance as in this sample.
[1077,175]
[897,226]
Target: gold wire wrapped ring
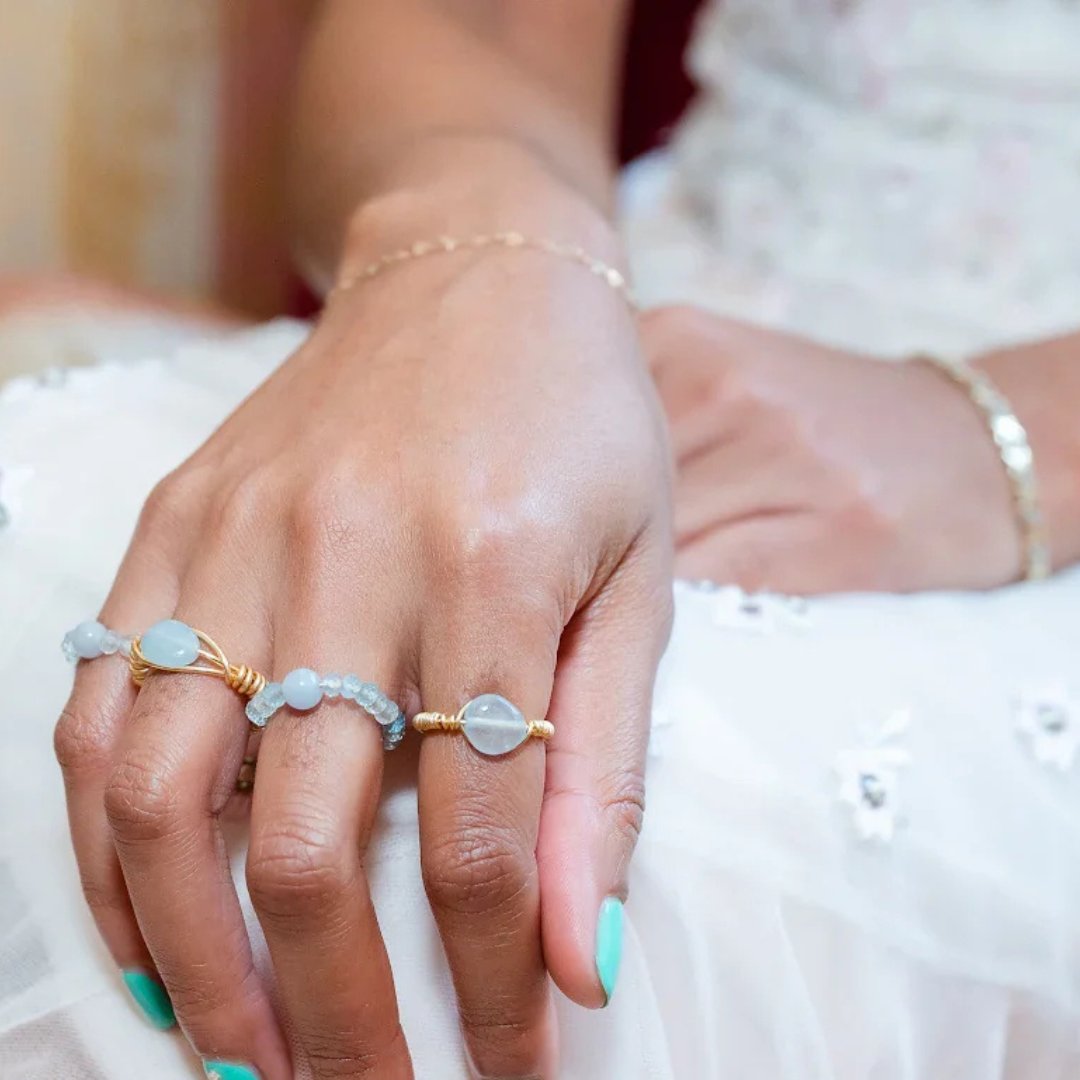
[174,646]
[492,725]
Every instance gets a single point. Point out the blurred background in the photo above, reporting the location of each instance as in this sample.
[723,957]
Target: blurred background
[140,143]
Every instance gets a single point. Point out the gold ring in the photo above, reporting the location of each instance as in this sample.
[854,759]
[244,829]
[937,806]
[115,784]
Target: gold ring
[174,646]
[492,725]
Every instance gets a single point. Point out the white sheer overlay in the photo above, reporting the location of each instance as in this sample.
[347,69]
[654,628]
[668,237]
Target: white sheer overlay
[861,856]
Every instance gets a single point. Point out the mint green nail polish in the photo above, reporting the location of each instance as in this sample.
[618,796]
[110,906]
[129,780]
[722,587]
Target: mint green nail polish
[229,1070]
[151,997]
[609,934]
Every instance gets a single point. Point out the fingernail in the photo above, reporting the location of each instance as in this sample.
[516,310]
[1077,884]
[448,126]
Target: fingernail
[151,997]
[228,1070]
[609,934]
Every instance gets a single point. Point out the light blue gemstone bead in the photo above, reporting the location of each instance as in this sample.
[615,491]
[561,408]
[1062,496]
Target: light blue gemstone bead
[86,639]
[170,644]
[273,694]
[367,695]
[350,687]
[331,685]
[301,688]
[493,725]
[258,711]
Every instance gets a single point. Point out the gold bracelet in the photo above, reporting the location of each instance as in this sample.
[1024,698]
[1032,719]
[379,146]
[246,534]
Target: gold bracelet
[445,245]
[1013,446]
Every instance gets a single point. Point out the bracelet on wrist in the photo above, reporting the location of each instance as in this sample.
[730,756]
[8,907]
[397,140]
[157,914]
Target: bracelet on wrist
[1014,448]
[446,245]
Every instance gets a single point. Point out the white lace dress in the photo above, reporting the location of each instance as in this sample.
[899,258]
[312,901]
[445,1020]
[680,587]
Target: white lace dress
[861,858]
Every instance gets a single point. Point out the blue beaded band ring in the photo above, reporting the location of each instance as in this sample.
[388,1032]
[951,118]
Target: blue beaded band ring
[173,646]
[303,689]
[90,639]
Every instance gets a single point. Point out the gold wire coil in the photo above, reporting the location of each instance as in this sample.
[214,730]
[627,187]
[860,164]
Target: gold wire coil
[426,722]
[243,679]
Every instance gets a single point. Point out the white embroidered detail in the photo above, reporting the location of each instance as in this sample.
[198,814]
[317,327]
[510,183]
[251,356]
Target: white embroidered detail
[869,779]
[759,613]
[1049,721]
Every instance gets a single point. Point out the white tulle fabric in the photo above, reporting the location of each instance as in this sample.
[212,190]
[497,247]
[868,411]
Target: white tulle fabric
[885,175]
[780,926]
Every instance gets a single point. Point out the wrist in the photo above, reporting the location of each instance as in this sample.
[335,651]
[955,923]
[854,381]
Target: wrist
[1042,383]
[463,187]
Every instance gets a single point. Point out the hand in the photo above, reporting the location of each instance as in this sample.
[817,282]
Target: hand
[458,485]
[805,469]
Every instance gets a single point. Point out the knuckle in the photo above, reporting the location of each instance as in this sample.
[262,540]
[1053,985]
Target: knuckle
[501,1045]
[238,511]
[143,800]
[205,1002]
[344,1053]
[326,520]
[478,870]
[82,738]
[103,898]
[171,501]
[491,546]
[296,867]
[623,803]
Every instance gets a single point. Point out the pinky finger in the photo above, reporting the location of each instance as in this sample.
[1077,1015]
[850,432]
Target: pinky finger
[85,739]
[594,795]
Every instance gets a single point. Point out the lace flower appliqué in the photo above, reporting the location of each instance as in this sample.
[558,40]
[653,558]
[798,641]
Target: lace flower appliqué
[760,613]
[1050,723]
[869,779]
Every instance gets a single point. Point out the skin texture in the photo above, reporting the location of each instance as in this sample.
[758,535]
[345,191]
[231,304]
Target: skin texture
[806,469]
[461,483]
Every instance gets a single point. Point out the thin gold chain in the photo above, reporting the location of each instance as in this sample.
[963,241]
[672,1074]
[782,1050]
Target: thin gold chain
[445,245]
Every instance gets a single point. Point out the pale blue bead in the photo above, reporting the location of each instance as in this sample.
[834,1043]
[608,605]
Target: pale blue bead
[368,695]
[170,644]
[493,725]
[67,646]
[110,643]
[351,686]
[273,694]
[86,639]
[331,685]
[257,711]
[301,688]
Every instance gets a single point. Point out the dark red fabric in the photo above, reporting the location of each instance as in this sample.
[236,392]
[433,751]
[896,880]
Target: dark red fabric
[656,88]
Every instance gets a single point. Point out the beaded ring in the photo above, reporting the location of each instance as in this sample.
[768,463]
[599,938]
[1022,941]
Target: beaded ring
[302,689]
[90,639]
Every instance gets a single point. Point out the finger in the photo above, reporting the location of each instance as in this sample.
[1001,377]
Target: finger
[175,772]
[86,740]
[727,482]
[786,552]
[594,799]
[478,828]
[312,814]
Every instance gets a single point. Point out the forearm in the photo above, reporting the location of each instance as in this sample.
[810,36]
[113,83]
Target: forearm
[469,105]
[1042,381]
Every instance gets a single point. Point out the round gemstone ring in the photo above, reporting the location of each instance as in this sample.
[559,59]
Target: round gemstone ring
[492,725]
[171,645]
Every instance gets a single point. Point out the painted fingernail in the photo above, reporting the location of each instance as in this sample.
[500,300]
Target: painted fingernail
[151,997]
[228,1070]
[609,935]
